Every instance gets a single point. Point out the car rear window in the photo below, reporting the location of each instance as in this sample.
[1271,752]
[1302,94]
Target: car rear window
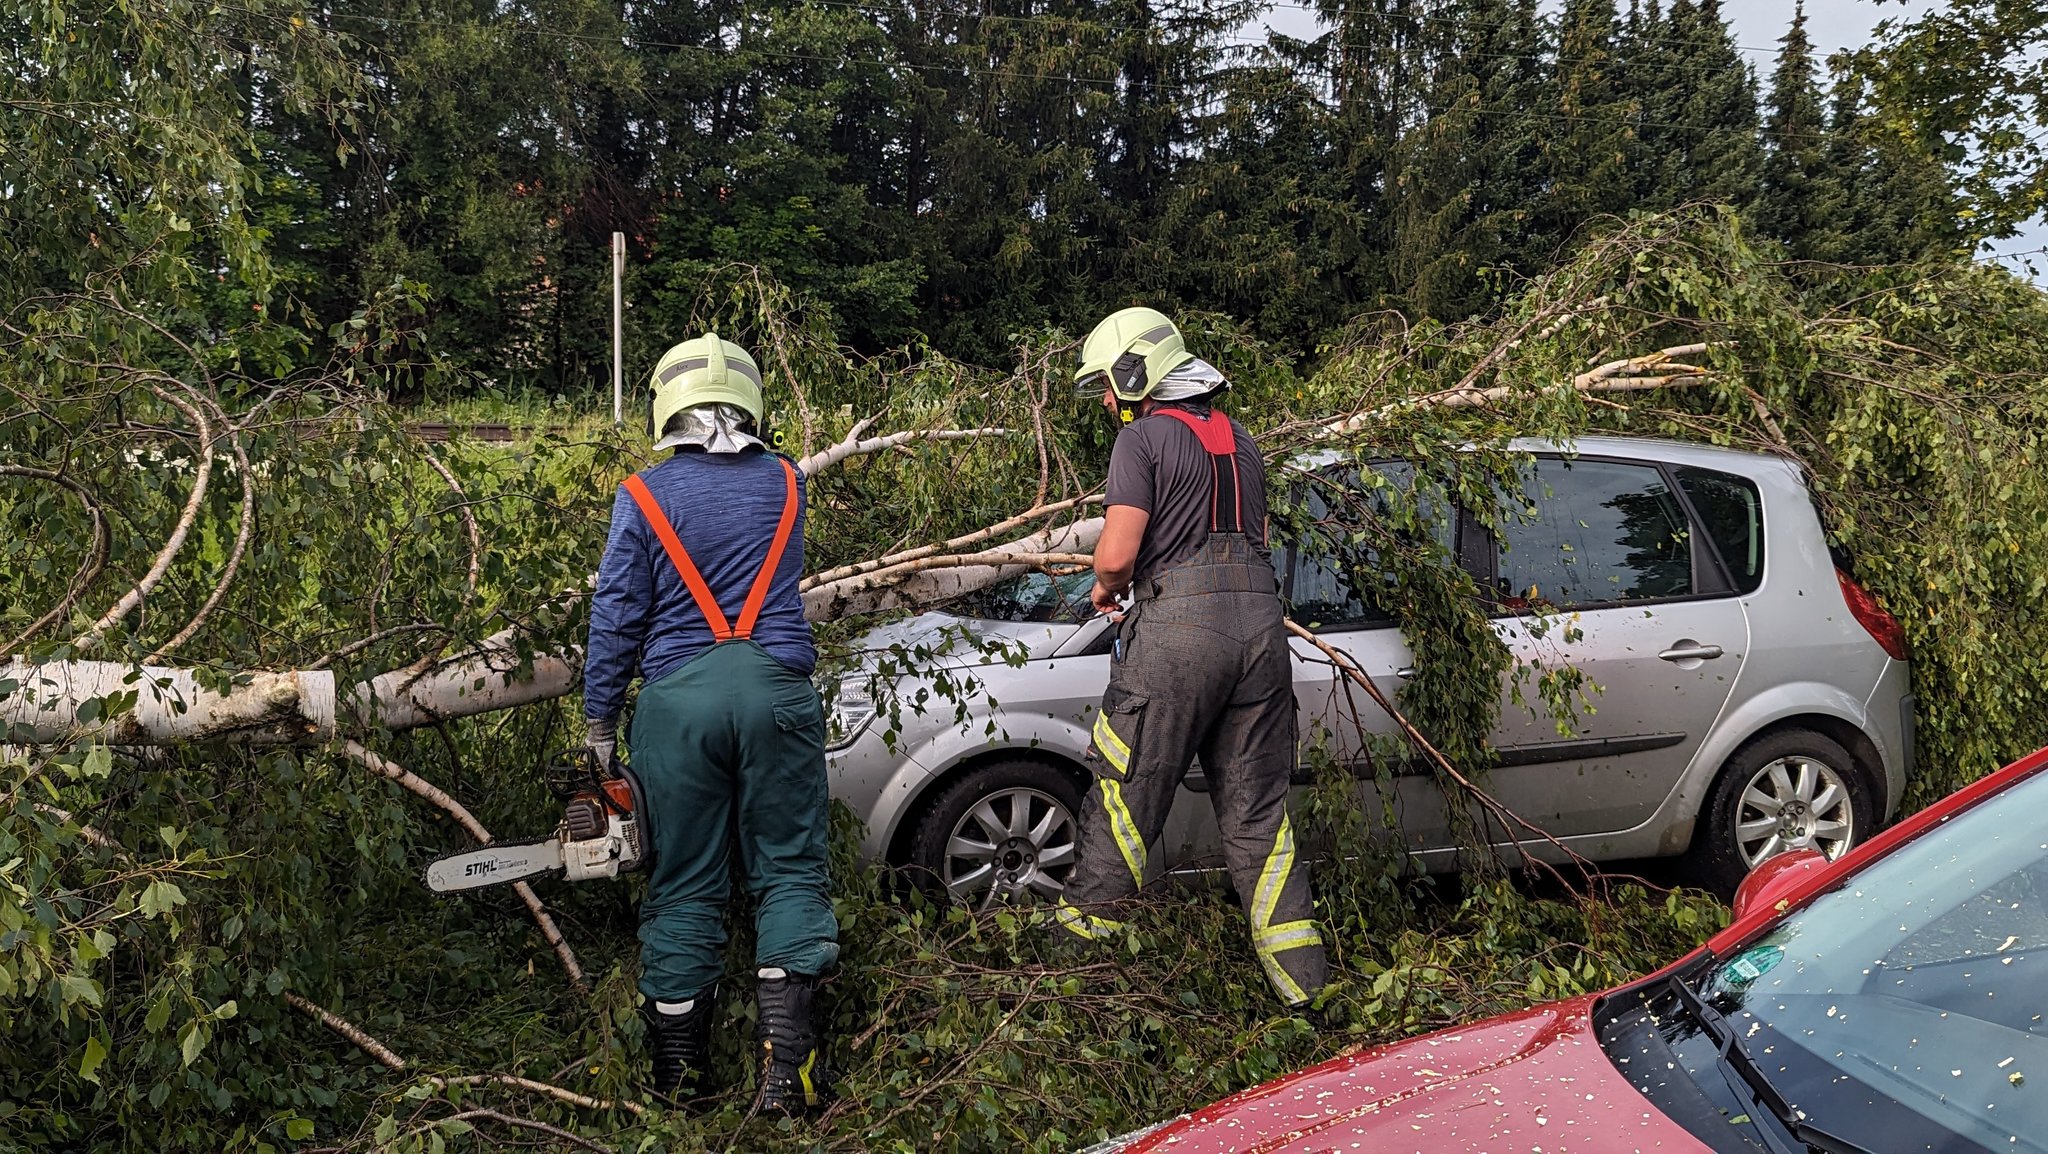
[1732,513]
[1591,532]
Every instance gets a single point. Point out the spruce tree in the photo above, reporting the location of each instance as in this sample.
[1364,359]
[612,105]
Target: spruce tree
[1804,200]
[1471,169]
[1586,123]
[1698,99]
[1898,204]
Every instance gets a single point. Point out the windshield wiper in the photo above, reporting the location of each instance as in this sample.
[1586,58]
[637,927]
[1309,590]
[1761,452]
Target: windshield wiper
[1737,1058]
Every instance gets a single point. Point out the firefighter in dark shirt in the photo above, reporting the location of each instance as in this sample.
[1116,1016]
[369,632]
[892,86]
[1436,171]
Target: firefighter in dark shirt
[1200,663]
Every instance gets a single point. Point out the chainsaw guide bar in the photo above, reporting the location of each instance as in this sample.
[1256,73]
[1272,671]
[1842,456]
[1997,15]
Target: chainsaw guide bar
[494,864]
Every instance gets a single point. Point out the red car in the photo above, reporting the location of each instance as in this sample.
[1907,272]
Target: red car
[1891,1001]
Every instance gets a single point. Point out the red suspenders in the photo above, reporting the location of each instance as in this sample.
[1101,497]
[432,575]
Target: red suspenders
[694,581]
[1220,440]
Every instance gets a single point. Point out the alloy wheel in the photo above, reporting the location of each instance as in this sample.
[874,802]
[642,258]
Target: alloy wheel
[1794,802]
[1016,844]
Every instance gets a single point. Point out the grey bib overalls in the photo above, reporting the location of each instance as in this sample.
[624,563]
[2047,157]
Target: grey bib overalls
[1204,673]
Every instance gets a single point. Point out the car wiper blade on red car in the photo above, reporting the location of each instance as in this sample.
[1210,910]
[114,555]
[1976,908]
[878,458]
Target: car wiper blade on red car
[1737,1058]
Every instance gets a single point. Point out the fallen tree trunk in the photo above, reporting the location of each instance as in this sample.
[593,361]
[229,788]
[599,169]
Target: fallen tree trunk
[61,701]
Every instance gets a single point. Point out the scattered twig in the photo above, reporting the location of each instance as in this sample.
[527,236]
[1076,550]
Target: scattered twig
[349,1030]
[556,1092]
[506,1119]
[384,1054]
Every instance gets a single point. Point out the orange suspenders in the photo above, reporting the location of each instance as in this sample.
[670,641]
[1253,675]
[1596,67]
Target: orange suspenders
[694,581]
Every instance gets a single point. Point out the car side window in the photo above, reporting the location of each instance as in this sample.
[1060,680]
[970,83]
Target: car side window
[1318,592]
[1731,512]
[1589,532]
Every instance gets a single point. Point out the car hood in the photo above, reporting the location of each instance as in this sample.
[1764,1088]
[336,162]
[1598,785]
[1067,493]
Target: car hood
[952,640]
[1532,1081]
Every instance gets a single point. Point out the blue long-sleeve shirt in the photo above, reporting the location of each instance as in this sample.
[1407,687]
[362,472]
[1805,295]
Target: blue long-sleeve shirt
[724,507]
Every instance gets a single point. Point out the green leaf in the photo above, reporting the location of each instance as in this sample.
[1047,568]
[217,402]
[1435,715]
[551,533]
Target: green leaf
[89,1065]
[160,898]
[191,1040]
[158,1015]
[298,1129]
[74,988]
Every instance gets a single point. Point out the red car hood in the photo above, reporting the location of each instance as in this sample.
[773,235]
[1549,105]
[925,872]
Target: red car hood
[1529,1083]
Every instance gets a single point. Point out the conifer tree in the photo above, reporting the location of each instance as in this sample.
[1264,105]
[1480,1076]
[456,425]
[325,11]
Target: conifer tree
[1898,204]
[1698,99]
[1586,119]
[1471,170]
[1804,201]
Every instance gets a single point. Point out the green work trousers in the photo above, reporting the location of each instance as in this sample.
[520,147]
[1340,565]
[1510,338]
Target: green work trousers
[730,750]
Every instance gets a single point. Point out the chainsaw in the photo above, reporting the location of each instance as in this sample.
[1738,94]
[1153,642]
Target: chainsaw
[601,834]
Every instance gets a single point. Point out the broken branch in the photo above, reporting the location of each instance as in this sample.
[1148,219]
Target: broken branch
[202,474]
[384,1054]
[439,797]
[95,560]
[851,447]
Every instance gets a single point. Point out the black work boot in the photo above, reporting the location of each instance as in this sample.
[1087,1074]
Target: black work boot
[793,1074]
[680,1043]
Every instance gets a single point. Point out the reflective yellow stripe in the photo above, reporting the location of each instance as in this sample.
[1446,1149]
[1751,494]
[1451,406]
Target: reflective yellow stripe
[1113,748]
[1270,940]
[1289,989]
[1287,936]
[1087,925]
[1124,830]
[803,1074]
[1273,879]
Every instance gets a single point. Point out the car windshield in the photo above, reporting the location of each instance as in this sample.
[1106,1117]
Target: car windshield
[1032,597]
[1911,1000]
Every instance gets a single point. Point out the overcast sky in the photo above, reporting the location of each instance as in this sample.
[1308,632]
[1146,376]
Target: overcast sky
[1758,25]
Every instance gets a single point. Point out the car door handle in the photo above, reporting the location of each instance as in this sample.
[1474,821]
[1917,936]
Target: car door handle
[1690,651]
[1405,673]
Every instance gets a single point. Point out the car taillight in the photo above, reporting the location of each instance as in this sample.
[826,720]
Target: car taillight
[1882,626]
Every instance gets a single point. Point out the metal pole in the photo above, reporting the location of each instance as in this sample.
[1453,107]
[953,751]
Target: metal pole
[618,328]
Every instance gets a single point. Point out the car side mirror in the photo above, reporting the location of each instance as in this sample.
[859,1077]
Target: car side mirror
[1775,879]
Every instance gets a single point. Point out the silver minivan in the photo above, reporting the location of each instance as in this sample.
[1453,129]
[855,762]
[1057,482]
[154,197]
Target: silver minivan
[1742,695]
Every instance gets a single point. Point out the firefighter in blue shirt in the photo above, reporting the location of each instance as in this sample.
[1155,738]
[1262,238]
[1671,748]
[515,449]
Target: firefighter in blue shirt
[698,594]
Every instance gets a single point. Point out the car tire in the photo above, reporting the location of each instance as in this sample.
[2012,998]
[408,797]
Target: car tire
[1823,801]
[1005,831]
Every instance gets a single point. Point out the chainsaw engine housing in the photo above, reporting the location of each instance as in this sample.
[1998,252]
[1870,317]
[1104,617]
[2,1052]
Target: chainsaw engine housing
[601,830]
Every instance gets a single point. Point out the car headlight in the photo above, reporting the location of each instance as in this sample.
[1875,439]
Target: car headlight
[853,707]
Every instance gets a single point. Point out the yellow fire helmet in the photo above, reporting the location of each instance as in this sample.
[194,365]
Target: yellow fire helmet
[1131,351]
[704,371]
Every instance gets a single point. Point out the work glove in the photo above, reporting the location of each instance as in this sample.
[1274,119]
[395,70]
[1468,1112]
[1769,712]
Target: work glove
[602,741]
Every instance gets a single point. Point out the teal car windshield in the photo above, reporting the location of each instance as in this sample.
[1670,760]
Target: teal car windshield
[1913,1001]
